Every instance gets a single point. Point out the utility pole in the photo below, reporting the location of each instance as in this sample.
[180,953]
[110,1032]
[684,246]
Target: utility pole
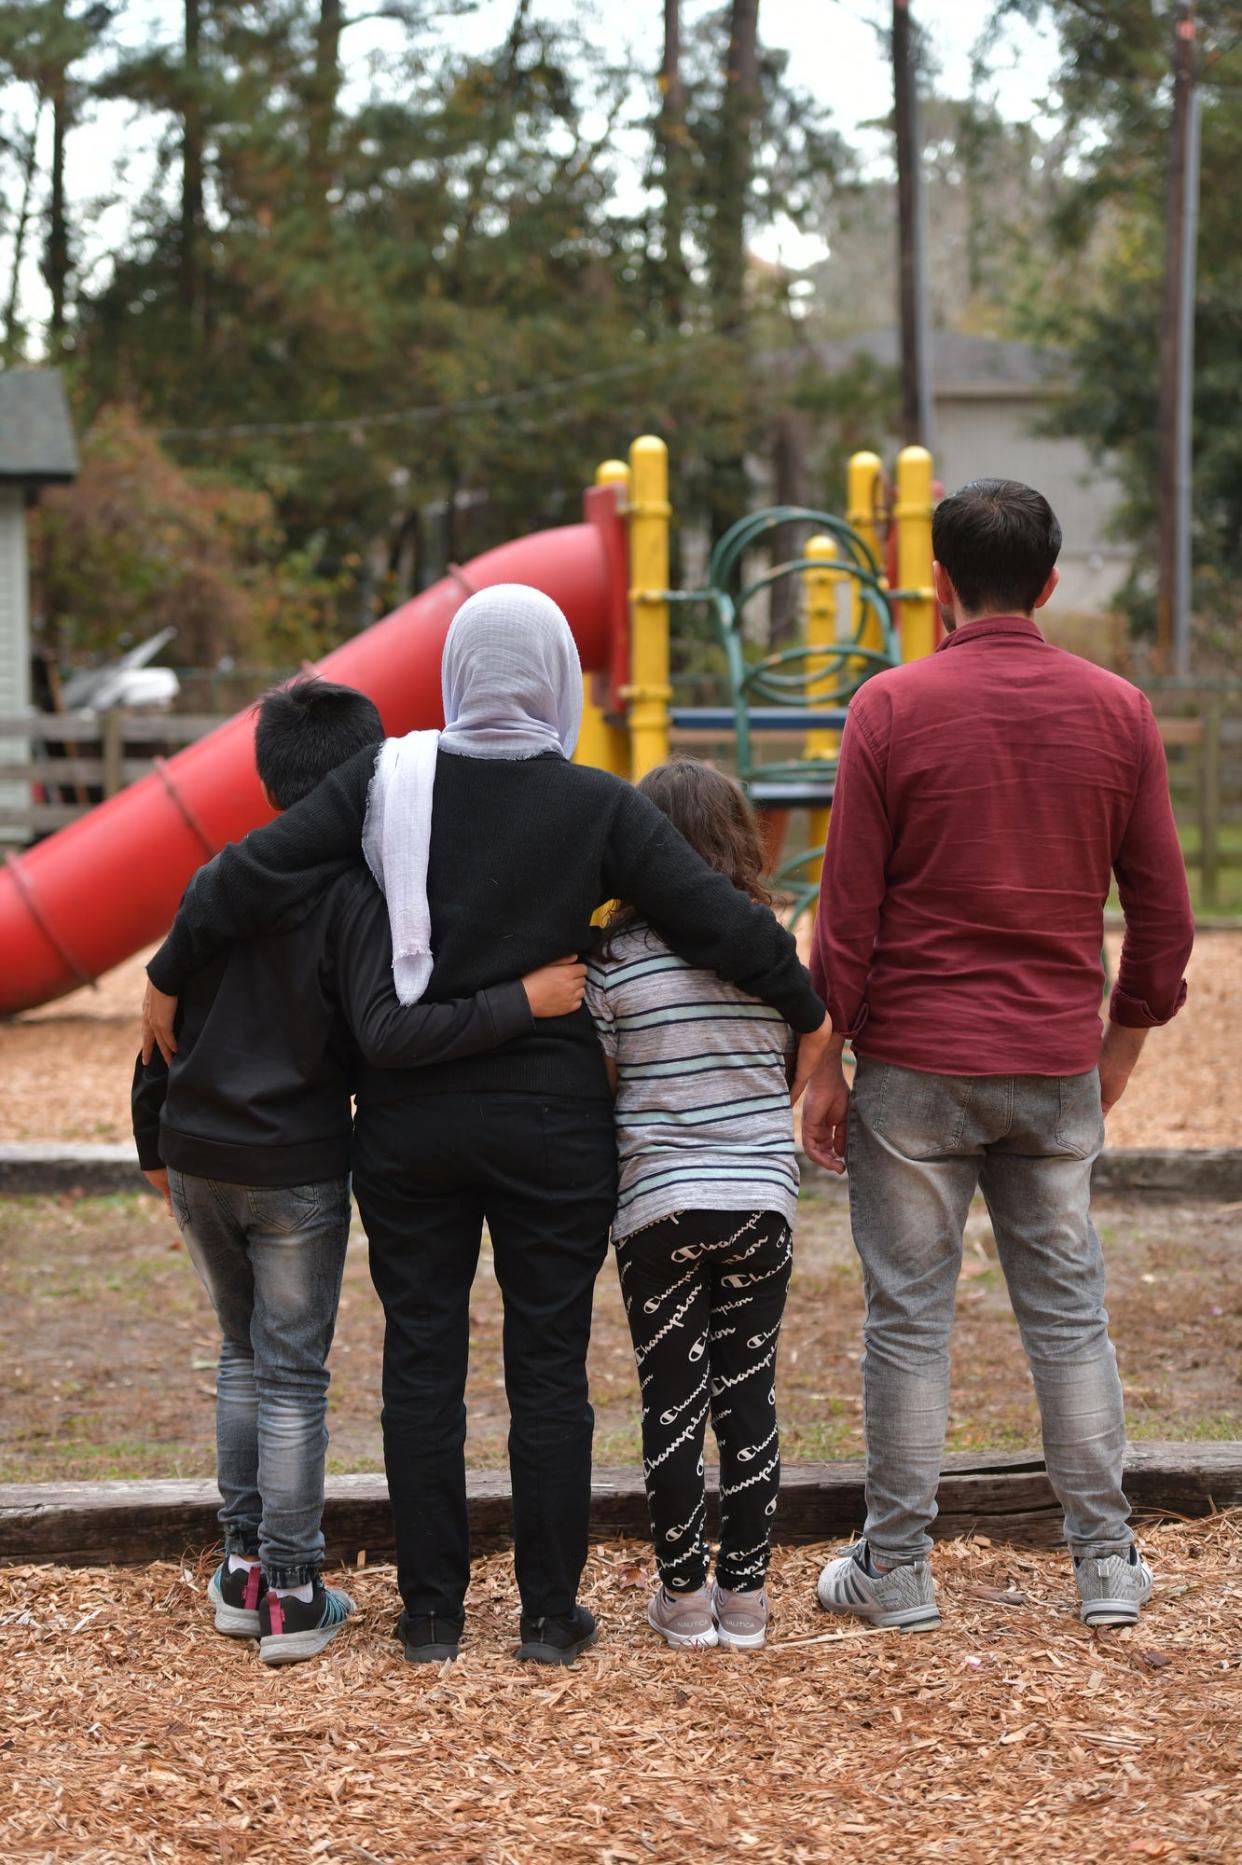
[671,133]
[1177,341]
[916,413]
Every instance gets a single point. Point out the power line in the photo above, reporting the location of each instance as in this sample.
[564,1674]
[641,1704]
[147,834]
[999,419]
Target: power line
[426,411]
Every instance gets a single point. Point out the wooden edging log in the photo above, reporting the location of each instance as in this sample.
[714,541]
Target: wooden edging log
[1003,1494]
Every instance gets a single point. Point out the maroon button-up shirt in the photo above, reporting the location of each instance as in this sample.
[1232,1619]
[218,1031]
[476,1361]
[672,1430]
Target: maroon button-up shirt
[985,798]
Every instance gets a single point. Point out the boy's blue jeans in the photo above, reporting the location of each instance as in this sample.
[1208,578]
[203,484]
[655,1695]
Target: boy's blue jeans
[271,1261]
[919,1146]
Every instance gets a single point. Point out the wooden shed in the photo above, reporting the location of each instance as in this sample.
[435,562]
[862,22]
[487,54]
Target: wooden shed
[37,448]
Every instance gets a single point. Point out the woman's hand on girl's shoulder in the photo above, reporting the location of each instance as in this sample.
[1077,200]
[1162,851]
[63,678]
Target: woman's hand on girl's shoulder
[556,990]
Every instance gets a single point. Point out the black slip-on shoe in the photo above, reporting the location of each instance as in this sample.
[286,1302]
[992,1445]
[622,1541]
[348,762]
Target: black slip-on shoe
[429,1638]
[557,1641]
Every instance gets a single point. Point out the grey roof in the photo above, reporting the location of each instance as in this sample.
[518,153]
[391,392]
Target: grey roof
[37,445]
[960,366]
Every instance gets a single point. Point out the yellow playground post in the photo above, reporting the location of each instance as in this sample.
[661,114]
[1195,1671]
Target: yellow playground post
[820,586]
[649,691]
[913,514]
[864,479]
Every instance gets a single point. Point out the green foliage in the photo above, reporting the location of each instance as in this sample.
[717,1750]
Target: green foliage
[367,330]
[137,544]
[1096,289]
[469,251]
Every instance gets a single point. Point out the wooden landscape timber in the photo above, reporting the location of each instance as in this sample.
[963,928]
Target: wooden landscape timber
[1004,1495]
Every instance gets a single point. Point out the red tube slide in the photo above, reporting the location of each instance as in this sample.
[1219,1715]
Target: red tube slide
[90,895]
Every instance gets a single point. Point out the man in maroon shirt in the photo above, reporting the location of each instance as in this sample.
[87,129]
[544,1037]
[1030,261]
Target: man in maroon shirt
[985,799]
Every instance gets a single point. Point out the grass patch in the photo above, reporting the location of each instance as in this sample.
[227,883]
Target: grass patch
[108,1341]
[1200,1428]
[81,1459]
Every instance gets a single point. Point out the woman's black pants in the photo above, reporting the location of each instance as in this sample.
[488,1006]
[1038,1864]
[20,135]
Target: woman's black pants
[540,1171]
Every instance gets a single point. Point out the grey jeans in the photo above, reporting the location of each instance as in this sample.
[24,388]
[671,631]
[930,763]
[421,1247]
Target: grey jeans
[919,1146]
[271,1261]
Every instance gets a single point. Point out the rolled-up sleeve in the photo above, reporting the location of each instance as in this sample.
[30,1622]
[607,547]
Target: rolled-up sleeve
[860,840]
[1151,883]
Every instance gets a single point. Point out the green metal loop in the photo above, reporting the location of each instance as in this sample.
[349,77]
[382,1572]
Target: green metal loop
[802,676]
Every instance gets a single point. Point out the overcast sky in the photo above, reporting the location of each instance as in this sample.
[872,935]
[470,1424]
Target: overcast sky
[835,52]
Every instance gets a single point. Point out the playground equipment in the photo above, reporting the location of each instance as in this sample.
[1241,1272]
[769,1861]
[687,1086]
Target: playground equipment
[95,892]
[798,693]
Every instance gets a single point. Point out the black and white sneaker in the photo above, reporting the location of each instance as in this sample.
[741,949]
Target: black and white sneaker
[235,1593]
[557,1641]
[429,1638]
[291,1630]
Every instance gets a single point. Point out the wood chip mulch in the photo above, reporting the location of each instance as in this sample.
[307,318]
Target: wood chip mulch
[133,1733]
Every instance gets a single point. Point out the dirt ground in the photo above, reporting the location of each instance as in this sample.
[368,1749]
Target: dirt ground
[66,1068]
[133,1733]
[107,1345]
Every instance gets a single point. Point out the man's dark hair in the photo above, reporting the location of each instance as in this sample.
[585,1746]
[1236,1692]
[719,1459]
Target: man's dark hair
[305,729]
[999,541]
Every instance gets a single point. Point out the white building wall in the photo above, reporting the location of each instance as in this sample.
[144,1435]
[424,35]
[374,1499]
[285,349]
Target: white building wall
[993,437]
[14,644]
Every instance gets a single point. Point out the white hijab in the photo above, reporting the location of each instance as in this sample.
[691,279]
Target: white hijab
[512,687]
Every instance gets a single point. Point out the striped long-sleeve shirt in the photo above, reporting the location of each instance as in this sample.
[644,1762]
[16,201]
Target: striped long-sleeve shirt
[703,1115]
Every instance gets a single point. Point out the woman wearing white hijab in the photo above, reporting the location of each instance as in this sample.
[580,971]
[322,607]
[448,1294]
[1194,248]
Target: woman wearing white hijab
[512,688]
[493,850]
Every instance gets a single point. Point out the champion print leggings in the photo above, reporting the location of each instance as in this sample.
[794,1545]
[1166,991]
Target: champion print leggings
[705,1293]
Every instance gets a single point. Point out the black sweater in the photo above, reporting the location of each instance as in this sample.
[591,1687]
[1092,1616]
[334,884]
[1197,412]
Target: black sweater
[274,1034]
[523,852]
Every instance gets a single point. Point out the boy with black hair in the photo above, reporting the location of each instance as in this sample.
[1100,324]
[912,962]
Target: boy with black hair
[247,1136]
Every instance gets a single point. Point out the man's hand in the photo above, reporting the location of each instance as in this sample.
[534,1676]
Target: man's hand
[158,1181]
[827,1107]
[158,1015]
[556,990]
[1119,1051]
[812,1048]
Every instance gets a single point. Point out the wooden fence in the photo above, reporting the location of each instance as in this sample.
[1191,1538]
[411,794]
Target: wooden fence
[77,759]
[1204,747]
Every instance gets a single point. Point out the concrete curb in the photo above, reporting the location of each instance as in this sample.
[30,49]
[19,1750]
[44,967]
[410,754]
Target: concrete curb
[49,1167]
[1198,1172]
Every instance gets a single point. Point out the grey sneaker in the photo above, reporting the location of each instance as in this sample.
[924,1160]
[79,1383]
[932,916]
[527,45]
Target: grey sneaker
[741,1618]
[682,1619]
[1112,1587]
[904,1597]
